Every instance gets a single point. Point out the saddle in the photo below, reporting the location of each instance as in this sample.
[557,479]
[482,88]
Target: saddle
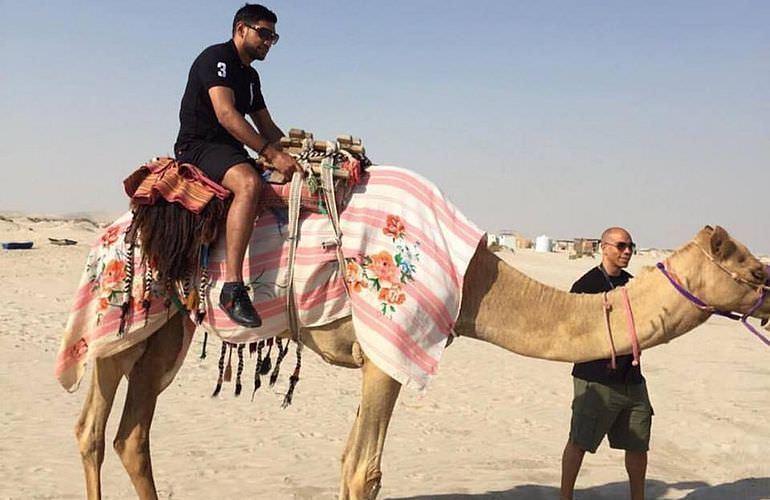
[345,158]
[188,186]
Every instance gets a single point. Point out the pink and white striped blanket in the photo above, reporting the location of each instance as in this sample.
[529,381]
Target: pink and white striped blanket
[406,249]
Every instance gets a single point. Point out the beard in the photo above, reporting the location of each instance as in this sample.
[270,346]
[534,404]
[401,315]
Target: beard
[256,53]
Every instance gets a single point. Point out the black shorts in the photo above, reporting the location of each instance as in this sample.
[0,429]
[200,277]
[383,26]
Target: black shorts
[213,158]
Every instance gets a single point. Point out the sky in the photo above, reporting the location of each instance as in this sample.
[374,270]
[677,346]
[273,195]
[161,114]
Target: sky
[549,117]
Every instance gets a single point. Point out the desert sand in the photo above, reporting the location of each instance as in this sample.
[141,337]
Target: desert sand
[492,425]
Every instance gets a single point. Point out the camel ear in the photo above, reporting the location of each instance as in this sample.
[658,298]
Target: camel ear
[721,244]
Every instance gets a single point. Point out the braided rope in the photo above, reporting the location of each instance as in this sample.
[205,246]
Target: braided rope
[240,370]
[128,280]
[147,293]
[294,379]
[278,359]
[221,365]
[203,285]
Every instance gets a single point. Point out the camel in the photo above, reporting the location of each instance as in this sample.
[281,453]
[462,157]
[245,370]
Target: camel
[500,305]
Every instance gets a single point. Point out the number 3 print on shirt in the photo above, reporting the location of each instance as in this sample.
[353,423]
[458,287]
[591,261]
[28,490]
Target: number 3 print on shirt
[222,69]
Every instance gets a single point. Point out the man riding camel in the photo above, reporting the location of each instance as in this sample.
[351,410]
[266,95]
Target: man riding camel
[222,88]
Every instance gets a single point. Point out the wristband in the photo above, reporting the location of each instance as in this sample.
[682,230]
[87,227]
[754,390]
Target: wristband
[261,151]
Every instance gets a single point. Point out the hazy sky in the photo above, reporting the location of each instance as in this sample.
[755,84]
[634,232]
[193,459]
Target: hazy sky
[546,117]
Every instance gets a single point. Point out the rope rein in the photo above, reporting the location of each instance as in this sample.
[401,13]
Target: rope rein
[762,292]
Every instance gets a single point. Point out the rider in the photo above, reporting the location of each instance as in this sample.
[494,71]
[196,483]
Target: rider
[222,88]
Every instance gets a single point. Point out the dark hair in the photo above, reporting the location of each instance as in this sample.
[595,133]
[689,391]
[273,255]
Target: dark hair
[252,13]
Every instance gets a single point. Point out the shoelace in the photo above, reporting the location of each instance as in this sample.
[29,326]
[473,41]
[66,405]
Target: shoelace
[241,292]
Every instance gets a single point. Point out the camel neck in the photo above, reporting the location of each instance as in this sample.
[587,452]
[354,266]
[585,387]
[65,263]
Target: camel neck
[507,308]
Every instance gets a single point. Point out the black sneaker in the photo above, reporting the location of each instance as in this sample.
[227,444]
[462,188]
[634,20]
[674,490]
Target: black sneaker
[235,301]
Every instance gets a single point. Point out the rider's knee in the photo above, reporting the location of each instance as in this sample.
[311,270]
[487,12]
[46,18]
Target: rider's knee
[243,180]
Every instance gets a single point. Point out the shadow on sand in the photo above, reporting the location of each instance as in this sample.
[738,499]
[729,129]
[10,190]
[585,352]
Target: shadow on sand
[745,489]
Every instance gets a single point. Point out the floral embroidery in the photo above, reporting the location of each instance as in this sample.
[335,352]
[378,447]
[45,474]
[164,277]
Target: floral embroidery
[79,349]
[113,275]
[394,227]
[106,271]
[384,267]
[111,235]
[355,277]
[384,273]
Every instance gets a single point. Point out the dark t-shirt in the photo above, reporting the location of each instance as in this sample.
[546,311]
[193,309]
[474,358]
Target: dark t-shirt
[217,65]
[597,281]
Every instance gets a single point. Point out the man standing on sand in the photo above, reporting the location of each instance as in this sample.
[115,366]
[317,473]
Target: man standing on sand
[222,88]
[612,402]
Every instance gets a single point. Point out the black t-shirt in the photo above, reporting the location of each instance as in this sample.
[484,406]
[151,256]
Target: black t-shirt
[217,65]
[597,281]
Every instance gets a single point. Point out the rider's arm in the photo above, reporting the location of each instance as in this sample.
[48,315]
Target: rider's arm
[266,126]
[223,101]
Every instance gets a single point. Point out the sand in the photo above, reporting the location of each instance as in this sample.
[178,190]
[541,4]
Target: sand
[492,425]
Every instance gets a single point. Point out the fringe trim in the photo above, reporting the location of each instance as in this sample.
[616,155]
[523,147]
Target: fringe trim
[262,366]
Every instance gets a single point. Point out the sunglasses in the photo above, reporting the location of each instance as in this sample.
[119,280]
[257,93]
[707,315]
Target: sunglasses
[622,245]
[265,34]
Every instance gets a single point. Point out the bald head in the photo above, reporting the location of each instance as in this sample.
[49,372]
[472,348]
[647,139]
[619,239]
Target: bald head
[617,249]
[615,232]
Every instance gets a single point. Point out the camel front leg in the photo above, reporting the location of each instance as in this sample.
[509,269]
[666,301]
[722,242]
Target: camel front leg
[89,429]
[361,474]
[132,442]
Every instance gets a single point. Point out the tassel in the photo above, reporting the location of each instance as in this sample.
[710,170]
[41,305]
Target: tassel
[258,367]
[221,369]
[240,370]
[265,368]
[205,339]
[127,281]
[229,368]
[123,317]
[147,294]
[279,358]
[294,379]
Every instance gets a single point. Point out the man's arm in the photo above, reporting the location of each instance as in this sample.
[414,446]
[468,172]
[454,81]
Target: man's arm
[223,101]
[266,126]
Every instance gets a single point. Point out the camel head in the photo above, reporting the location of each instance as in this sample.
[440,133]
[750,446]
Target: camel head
[725,275]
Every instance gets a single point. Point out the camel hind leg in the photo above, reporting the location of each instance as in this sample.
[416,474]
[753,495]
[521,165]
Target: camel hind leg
[132,442]
[89,430]
[362,457]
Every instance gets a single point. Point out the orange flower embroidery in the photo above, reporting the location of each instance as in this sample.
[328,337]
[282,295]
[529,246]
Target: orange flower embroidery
[110,236]
[392,295]
[79,348]
[103,303]
[394,227]
[355,277]
[384,267]
[114,274]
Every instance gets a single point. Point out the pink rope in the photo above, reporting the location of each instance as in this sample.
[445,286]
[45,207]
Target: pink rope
[631,326]
[607,307]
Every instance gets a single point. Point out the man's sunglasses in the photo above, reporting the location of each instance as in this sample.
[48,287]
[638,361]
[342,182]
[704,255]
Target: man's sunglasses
[622,245]
[265,33]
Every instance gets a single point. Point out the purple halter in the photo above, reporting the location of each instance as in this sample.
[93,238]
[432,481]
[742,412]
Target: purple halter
[727,314]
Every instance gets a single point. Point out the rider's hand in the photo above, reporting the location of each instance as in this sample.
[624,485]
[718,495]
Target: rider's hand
[283,162]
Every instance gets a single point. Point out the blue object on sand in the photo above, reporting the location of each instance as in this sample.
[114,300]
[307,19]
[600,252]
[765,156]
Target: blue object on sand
[17,245]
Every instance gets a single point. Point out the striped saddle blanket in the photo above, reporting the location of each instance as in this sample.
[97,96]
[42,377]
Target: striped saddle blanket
[406,250]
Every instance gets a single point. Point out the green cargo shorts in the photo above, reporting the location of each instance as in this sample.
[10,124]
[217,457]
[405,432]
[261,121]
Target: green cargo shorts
[621,412]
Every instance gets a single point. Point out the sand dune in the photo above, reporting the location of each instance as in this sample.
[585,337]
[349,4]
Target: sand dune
[492,425]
